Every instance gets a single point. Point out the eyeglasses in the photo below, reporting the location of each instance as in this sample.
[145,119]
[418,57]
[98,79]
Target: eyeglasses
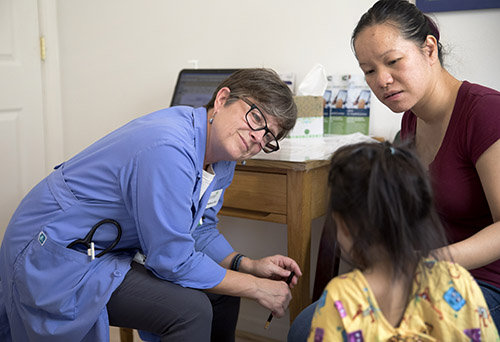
[257,122]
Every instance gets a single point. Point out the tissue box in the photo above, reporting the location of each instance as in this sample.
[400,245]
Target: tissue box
[310,117]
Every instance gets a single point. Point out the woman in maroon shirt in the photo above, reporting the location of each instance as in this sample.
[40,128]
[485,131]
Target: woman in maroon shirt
[455,127]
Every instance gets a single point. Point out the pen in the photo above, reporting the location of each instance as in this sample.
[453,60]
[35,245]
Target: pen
[270,318]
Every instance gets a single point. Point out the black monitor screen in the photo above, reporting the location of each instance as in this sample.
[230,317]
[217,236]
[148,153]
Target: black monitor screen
[195,87]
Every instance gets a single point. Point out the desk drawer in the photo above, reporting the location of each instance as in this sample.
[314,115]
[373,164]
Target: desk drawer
[257,191]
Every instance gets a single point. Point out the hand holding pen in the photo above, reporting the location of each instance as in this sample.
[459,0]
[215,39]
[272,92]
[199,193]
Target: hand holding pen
[270,271]
[270,318]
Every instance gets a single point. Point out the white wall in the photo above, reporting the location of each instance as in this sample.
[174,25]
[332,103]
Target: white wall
[120,58]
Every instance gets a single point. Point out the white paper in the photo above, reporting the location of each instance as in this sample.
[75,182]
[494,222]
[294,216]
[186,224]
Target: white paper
[299,150]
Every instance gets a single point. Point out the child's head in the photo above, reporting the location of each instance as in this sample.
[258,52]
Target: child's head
[381,194]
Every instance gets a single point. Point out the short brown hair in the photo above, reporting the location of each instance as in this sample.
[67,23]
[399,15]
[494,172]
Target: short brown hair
[267,90]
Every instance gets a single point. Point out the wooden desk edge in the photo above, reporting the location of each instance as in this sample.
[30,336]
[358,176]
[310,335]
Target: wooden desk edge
[286,165]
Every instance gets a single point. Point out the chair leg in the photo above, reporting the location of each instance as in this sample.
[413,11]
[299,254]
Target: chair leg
[126,335]
[328,263]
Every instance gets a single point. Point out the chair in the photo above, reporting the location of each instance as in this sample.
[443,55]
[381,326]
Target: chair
[328,263]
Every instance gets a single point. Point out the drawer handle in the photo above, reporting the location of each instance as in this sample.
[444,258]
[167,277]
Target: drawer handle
[244,212]
[253,215]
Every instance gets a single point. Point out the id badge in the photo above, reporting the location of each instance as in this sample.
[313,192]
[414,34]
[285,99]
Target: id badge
[214,198]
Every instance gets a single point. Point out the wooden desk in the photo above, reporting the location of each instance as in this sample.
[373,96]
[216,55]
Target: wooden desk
[293,193]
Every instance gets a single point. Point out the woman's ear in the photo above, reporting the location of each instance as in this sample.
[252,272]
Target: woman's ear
[221,98]
[431,49]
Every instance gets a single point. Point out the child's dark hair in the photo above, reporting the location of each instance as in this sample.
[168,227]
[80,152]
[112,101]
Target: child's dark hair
[412,23]
[383,194]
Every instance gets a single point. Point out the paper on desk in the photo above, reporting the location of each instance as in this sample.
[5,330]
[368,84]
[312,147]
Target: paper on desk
[299,150]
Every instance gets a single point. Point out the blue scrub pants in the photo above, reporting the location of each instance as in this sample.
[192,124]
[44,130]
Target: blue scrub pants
[171,312]
[299,331]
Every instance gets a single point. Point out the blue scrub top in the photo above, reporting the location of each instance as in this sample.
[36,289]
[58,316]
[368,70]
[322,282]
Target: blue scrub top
[145,175]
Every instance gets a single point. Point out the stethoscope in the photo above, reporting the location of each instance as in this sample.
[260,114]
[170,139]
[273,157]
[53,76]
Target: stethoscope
[87,240]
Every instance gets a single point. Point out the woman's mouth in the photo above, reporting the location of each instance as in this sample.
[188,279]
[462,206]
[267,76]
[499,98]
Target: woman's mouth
[392,95]
[244,143]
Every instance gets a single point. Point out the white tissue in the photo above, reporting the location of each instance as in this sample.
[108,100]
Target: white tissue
[315,82]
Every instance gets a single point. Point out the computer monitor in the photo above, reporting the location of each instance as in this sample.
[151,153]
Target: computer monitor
[195,87]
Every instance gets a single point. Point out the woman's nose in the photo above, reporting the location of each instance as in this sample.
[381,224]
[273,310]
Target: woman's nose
[384,78]
[258,136]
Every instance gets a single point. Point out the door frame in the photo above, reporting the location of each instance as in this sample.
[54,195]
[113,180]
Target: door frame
[51,84]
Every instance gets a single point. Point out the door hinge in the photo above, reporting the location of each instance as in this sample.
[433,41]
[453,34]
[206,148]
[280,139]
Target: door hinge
[42,48]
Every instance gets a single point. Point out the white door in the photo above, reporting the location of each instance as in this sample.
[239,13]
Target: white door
[22,151]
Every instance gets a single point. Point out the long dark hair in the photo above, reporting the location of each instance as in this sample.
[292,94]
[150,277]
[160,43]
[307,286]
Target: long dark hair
[383,194]
[412,23]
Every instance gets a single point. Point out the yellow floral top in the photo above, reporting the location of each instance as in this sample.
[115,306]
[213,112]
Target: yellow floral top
[447,305]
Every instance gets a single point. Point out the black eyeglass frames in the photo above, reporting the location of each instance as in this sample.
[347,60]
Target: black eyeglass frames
[257,122]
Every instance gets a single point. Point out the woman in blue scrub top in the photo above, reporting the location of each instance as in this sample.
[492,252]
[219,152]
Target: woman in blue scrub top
[159,181]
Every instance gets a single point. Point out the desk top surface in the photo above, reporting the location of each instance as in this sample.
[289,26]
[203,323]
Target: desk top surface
[305,153]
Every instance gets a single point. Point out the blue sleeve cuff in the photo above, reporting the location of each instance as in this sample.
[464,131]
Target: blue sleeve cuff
[218,249]
[206,275]
[200,273]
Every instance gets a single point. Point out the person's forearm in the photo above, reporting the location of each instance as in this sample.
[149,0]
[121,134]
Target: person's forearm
[226,263]
[246,264]
[237,284]
[478,250]
[271,294]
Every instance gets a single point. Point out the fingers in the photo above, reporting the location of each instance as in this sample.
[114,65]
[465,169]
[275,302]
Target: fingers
[278,267]
[281,306]
[287,265]
[282,273]
[293,266]
[275,296]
